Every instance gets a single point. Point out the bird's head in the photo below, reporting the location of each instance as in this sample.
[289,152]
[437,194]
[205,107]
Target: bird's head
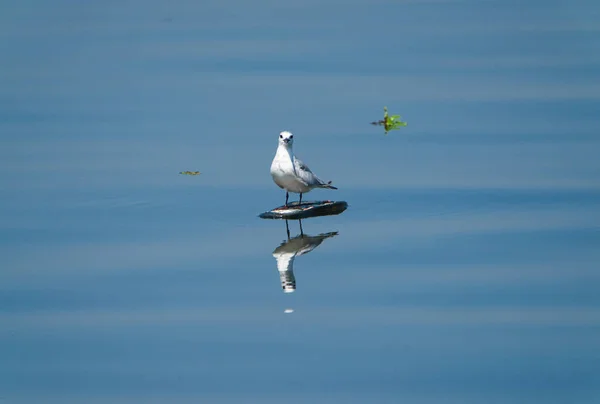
[286,139]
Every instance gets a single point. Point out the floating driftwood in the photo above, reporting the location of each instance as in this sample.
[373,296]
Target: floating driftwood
[303,210]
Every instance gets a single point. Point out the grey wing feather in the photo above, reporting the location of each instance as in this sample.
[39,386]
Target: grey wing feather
[304,173]
[300,165]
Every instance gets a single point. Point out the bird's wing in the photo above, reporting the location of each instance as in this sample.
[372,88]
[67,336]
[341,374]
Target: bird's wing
[300,165]
[304,173]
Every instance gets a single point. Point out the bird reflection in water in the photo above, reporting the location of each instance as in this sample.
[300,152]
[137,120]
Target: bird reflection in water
[293,247]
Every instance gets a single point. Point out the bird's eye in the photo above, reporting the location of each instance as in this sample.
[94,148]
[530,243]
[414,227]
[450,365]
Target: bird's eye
[291,137]
[280,137]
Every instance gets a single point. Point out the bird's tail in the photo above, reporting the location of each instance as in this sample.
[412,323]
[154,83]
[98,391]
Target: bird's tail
[327,185]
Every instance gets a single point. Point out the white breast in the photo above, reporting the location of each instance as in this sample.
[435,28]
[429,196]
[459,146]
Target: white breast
[284,174]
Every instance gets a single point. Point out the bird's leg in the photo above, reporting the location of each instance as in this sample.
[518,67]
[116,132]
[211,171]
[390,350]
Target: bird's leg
[301,231]
[287,195]
[300,198]
[287,229]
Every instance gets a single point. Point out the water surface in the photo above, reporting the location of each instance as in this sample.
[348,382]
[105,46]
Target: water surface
[464,271]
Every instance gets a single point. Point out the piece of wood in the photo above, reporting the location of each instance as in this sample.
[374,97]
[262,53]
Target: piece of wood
[295,210]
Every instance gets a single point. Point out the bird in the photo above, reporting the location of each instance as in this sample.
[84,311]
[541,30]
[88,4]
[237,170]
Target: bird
[290,173]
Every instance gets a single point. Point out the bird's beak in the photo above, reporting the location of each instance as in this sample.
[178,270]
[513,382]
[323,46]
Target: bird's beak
[286,140]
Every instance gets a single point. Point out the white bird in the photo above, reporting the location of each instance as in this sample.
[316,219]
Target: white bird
[290,173]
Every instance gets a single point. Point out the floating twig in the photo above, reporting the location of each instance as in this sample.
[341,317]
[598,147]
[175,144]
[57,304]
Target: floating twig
[388,122]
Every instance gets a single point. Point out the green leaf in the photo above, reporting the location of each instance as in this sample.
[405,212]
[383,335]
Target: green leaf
[393,122]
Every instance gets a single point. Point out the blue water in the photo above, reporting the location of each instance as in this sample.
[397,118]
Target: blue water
[465,269]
